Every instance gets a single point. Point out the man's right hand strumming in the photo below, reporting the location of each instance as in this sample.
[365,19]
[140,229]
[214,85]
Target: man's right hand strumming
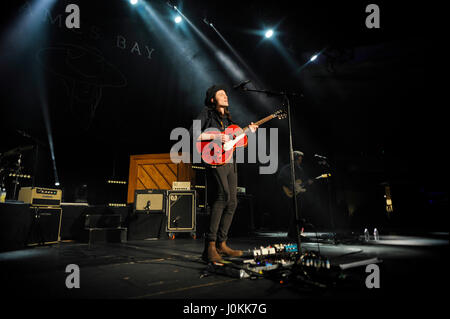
[222,137]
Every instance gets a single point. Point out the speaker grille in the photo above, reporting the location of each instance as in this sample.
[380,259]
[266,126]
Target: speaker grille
[181,211]
[147,201]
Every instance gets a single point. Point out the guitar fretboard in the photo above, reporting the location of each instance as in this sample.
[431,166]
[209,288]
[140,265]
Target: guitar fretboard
[262,121]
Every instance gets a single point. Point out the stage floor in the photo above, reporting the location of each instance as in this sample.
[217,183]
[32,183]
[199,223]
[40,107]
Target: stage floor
[410,266]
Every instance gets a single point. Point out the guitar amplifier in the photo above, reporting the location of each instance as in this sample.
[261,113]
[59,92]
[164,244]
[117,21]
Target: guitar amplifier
[39,196]
[150,200]
[45,226]
[181,211]
[146,226]
[103,221]
[181,186]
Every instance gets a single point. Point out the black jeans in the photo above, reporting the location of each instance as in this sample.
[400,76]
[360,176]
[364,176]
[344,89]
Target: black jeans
[225,201]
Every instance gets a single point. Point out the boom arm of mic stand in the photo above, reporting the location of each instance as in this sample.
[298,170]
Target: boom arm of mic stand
[272,93]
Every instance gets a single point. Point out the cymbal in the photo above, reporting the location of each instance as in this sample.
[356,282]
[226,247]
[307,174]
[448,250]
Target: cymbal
[17,150]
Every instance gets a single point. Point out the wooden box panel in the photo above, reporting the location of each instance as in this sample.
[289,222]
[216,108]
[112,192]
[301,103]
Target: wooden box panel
[155,171]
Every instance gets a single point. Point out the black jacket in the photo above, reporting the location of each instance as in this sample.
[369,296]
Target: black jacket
[210,118]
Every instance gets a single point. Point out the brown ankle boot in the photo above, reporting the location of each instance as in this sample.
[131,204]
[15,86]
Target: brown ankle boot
[223,249]
[210,254]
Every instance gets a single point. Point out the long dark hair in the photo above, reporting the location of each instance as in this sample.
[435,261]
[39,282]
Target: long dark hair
[211,94]
[226,112]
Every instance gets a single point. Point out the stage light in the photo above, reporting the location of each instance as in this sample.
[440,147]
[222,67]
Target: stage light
[178,19]
[56,183]
[133,2]
[313,57]
[269,33]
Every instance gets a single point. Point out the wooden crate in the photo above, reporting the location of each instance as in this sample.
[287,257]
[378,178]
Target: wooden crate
[156,171]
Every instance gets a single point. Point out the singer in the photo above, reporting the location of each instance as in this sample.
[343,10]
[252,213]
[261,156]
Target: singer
[216,114]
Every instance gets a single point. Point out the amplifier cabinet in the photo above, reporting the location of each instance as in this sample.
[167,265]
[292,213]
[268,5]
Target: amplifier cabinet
[150,200]
[146,226]
[103,221]
[45,225]
[181,211]
[39,196]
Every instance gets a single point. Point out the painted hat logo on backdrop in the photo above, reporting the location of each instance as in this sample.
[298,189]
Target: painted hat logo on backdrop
[85,73]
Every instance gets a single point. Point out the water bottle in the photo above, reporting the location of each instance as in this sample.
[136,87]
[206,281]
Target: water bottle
[2,194]
[366,234]
[375,234]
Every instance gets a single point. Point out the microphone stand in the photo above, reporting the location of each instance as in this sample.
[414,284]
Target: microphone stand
[17,172]
[324,162]
[291,157]
[37,143]
[298,272]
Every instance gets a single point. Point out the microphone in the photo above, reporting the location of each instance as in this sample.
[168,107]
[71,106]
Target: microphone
[241,85]
[320,156]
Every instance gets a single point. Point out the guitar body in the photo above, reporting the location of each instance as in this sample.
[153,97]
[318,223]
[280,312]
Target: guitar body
[216,153]
[298,188]
[213,152]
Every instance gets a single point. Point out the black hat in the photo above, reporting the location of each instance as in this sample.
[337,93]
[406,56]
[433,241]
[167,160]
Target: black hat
[211,93]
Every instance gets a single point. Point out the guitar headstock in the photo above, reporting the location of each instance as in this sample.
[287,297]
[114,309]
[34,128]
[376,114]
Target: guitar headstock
[280,114]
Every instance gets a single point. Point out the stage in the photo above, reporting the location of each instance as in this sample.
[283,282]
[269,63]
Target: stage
[411,267]
[131,130]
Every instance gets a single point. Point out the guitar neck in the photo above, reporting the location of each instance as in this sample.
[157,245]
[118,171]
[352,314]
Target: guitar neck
[262,121]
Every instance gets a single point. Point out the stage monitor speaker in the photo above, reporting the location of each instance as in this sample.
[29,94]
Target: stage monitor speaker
[150,200]
[146,226]
[45,225]
[181,211]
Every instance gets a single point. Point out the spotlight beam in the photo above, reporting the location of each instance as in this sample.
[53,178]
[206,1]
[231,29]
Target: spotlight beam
[231,67]
[240,59]
[47,122]
[181,46]
[233,51]
[24,30]
[207,76]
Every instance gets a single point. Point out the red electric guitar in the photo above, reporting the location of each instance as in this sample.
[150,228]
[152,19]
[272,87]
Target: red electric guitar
[214,152]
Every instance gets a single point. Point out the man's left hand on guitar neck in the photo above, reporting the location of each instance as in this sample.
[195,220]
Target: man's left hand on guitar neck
[253,127]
